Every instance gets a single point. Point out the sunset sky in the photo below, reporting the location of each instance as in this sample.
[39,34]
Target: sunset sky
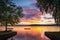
[31,12]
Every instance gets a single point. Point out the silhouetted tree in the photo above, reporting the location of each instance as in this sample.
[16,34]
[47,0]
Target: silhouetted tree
[44,4]
[54,6]
[9,13]
[57,12]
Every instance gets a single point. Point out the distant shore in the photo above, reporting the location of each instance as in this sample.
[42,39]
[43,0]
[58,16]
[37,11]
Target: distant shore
[35,25]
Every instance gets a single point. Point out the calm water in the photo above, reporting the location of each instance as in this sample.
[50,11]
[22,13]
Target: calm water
[31,32]
[28,33]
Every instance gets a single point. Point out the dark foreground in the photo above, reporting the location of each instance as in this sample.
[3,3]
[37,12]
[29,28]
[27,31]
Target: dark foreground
[4,35]
[53,35]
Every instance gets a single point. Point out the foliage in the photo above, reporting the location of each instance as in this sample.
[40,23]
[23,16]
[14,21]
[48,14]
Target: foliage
[57,12]
[44,4]
[9,13]
[47,3]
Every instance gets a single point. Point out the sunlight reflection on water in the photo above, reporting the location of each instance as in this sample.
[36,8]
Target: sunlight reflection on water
[31,32]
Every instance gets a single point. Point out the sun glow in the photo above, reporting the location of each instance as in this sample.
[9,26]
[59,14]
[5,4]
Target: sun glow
[37,17]
[35,20]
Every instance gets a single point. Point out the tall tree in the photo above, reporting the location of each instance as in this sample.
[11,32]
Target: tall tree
[53,4]
[56,13]
[44,4]
[9,13]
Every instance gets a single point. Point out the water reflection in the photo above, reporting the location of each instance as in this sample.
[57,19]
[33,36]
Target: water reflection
[28,36]
[31,32]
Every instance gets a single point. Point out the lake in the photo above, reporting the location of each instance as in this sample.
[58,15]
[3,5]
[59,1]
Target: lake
[32,32]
